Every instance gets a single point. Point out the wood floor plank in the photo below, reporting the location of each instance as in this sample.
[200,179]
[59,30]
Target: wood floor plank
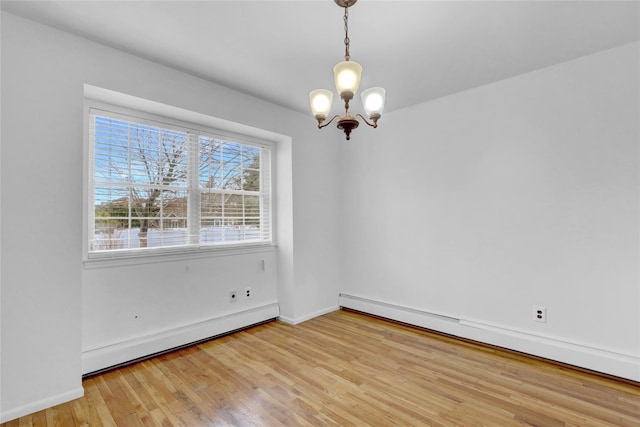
[93,397]
[345,369]
[39,419]
[25,422]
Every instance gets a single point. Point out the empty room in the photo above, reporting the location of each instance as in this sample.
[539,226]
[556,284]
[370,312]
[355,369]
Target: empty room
[324,212]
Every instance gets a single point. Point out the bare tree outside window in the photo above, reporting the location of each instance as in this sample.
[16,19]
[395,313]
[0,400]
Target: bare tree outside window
[144,169]
[158,160]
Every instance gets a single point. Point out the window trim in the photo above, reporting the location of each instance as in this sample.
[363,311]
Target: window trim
[126,105]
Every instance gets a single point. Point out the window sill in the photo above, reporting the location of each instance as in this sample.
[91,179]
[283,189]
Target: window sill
[107,260]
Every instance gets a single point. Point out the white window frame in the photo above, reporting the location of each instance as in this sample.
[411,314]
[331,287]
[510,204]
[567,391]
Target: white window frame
[181,119]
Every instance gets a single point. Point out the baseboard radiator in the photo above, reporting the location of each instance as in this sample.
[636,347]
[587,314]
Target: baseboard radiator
[113,355]
[623,365]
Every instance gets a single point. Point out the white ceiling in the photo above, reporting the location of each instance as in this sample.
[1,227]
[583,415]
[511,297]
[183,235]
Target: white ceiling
[280,50]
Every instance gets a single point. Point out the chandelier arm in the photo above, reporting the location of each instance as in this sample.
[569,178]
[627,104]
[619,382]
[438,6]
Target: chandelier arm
[373,125]
[321,125]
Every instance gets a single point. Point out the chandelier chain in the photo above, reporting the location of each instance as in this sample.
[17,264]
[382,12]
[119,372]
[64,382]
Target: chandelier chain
[346,34]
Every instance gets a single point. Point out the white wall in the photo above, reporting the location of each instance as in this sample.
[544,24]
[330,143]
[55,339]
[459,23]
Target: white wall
[482,204]
[52,306]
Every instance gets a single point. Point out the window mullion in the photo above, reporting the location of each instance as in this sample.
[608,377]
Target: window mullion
[265,188]
[193,194]
[130,186]
[91,209]
[223,196]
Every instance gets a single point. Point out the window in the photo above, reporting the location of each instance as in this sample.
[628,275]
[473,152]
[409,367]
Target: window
[157,184]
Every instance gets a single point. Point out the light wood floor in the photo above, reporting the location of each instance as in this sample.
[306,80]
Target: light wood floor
[345,369]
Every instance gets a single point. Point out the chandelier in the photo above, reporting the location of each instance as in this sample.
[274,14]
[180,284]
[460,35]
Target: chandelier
[346,75]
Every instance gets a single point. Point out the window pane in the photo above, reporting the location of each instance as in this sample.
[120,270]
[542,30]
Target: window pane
[175,210]
[210,205]
[229,217]
[111,150]
[231,166]
[251,168]
[172,229]
[211,231]
[233,208]
[210,217]
[158,156]
[252,210]
[251,180]
[111,218]
[210,168]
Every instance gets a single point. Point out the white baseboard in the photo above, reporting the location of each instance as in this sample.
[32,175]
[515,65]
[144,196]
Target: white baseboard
[298,320]
[39,405]
[577,354]
[96,359]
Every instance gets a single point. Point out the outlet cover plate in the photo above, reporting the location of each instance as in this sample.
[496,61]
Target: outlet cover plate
[540,314]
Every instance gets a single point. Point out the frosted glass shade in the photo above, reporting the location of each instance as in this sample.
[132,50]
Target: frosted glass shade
[321,100]
[347,77]
[373,101]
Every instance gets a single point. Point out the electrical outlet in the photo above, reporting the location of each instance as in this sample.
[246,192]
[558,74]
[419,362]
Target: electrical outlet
[540,314]
[248,293]
[233,296]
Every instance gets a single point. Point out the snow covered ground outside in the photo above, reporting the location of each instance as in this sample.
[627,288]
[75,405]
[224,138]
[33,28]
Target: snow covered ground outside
[129,239]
